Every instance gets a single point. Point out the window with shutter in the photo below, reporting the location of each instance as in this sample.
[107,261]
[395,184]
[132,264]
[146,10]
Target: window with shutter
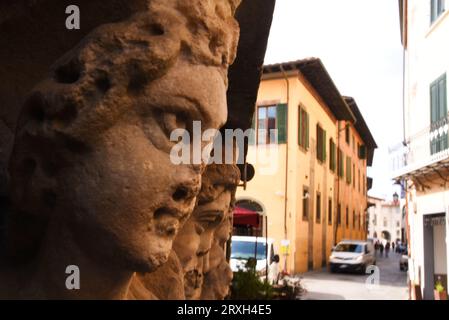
[347,134]
[270,119]
[341,165]
[318,208]
[303,128]
[437,7]
[282,116]
[348,170]
[307,131]
[438,115]
[321,143]
[324,146]
[332,156]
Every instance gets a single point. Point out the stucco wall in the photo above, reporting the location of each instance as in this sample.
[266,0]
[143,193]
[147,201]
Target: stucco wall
[426,59]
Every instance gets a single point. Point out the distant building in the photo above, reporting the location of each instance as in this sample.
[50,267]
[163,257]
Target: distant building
[385,220]
[422,164]
[315,193]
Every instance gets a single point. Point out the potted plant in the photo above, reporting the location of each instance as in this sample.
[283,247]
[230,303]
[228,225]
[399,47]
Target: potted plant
[440,292]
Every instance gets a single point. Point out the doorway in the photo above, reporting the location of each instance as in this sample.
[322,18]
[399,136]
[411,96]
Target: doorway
[435,253]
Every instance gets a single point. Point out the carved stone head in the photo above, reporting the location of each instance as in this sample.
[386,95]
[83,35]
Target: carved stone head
[92,150]
[218,277]
[195,240]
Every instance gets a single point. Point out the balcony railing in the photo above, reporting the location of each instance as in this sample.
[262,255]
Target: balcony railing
[424,148]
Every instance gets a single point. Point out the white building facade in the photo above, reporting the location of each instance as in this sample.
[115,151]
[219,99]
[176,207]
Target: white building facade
[385,220]
[422,164]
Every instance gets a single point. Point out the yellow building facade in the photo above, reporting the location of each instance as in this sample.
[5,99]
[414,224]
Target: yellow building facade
[296,183]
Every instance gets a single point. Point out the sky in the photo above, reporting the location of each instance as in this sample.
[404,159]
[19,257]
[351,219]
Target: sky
[360,46]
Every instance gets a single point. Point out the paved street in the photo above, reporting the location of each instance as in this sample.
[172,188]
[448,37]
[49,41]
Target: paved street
[323,285]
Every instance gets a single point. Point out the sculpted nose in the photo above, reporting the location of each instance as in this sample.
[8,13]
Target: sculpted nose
[206,263]
[185,192]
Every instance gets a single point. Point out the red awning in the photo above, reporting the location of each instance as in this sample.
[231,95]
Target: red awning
[246,217]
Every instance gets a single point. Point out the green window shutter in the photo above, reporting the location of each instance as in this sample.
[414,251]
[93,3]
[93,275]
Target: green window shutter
[252,136]
[281,117]
[324,146]
[438,111]
[332,155]
[307,131]
[433,10]
[334,150]
[442,101]
[433,103]
[442,97]
[436,9]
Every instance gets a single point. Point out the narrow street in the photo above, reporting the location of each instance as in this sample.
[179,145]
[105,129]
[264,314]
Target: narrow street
[323,285]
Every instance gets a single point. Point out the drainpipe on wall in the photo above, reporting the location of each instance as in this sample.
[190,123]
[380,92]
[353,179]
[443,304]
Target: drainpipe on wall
[338,185]
[338,176]
[405,184]
[286,160]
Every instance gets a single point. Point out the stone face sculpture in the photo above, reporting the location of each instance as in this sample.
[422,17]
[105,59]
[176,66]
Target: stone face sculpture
[200,244]
[92,183]
[166,283]
[206,228]
[218,278]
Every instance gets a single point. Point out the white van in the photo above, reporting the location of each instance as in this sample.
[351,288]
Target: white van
[244,248]
[352,255]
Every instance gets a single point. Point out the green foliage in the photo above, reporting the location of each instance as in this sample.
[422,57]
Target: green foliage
[247,285]
[439,287]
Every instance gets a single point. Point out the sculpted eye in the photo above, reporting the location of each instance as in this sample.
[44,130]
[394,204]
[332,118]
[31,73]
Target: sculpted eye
[170,121]
[198,228]
[210,218]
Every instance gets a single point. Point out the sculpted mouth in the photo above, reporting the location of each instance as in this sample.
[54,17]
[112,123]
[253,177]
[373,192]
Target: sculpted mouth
[168,221]
[158,260]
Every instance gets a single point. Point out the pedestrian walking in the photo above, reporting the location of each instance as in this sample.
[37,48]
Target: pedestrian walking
[387,249]
[376,247]
[381,248]
[273,273]
[393,245]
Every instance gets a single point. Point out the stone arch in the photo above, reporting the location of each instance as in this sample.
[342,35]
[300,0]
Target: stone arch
[253,205]
[386,235]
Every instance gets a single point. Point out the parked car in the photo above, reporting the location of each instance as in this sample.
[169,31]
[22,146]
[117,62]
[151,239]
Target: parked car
[352,255]
[244,248]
